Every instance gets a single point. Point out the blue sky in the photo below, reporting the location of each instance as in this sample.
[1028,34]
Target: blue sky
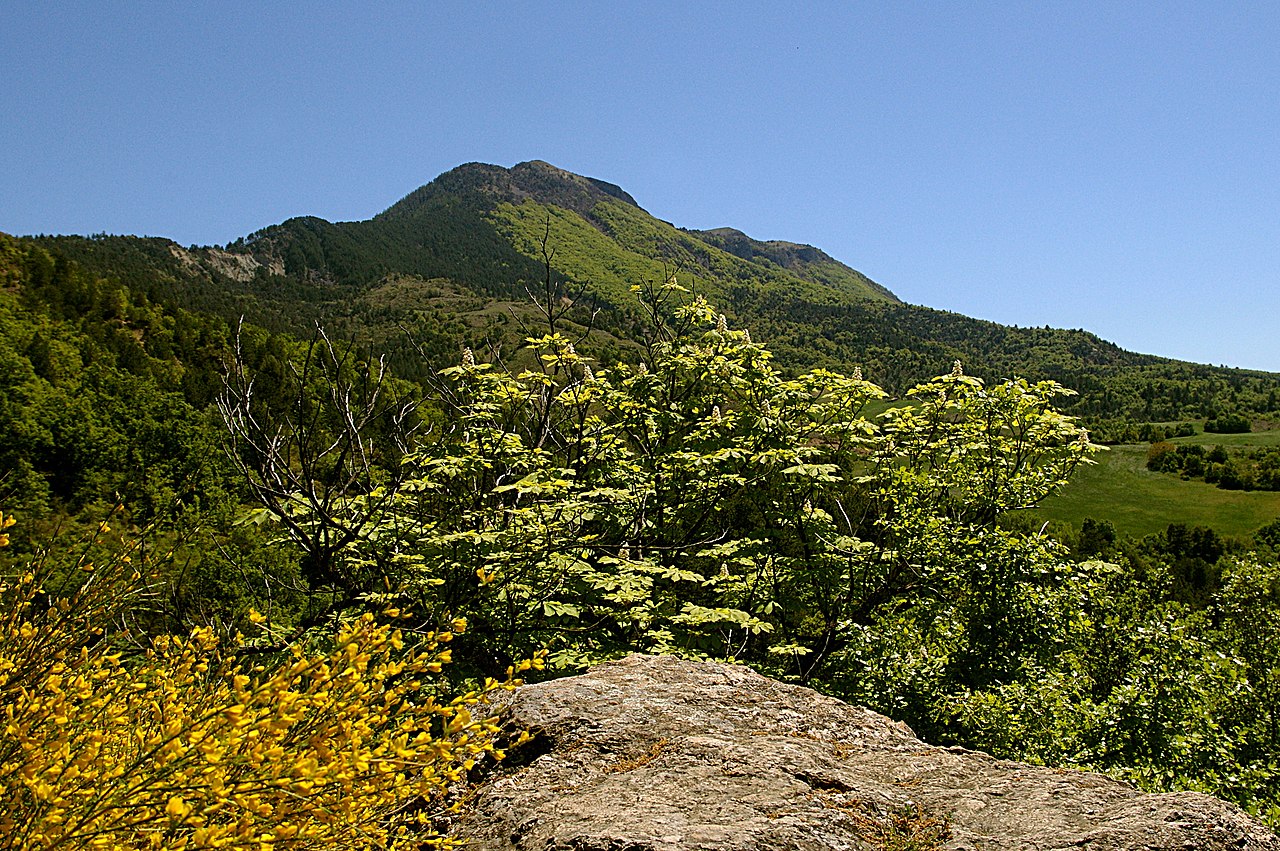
[1108,166]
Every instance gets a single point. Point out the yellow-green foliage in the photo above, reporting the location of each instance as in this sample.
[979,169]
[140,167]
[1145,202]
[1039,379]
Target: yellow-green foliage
[581,251]
[190,746]
[636,247]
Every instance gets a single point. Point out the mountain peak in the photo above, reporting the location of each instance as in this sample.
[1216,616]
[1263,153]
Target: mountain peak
[535,179]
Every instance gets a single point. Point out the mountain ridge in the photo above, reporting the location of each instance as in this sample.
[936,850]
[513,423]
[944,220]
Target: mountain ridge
[533,179]
[483,236]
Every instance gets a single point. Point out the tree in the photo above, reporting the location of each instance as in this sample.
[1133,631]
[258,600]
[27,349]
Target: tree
[698,501]
[1228,424]
[1097,538]
[324,466]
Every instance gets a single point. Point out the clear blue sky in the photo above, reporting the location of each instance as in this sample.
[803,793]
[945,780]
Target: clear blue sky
[1110,166]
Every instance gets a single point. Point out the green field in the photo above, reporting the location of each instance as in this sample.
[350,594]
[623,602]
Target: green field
[1121,489]
[1232,441]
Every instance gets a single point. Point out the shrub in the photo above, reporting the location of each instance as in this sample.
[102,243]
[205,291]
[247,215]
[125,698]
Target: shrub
[1234,476]
[1269,535]
[1228,424]
[1097,537]
[1162,457]
[191,746]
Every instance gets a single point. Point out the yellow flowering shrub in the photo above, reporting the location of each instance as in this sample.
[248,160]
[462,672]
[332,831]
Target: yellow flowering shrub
[189,746]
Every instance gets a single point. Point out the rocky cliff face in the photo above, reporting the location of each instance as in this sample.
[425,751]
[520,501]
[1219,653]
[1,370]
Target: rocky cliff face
[656,753]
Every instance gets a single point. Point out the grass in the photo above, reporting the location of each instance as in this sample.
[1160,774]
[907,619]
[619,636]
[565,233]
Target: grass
[1121,489]
[1230,441]
[907,828]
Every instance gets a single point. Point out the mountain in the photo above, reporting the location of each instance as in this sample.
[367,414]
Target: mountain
[482,227]
[454,262]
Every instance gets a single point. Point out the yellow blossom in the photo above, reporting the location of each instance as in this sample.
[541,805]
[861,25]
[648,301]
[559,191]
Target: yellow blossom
[187,747]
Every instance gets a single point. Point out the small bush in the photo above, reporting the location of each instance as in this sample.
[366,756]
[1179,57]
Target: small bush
[1163,457]
[1229,424]
[190,746]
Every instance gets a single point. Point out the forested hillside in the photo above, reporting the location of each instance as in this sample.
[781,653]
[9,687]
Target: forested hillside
[104,391]
[451,261]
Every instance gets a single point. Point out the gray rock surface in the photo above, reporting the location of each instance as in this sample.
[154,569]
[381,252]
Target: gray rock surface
[659,753]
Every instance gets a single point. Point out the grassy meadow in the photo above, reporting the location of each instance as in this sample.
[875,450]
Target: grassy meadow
[1121,489]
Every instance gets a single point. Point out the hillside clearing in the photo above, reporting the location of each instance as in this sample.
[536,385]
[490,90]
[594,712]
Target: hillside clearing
[1121,489]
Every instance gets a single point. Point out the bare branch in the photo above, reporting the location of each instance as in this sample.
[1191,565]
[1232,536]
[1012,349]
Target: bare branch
[317,464]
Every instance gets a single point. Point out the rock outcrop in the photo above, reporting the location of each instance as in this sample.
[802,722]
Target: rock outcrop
[659,753]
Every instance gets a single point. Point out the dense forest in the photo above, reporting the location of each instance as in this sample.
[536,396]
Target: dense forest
[278,516]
